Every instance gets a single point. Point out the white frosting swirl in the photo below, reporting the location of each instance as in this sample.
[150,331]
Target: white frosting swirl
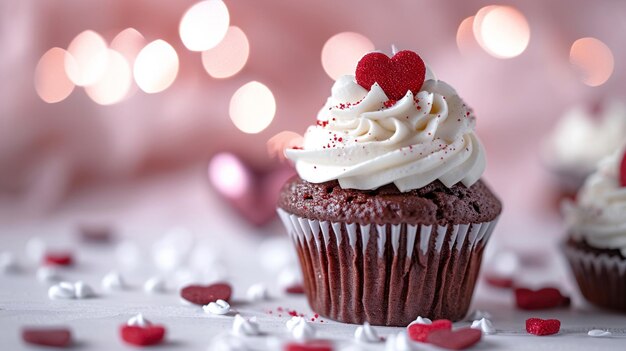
[580,139]
[599,214]
[364,140]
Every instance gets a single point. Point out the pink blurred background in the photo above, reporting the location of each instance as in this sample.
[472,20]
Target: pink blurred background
[49,151]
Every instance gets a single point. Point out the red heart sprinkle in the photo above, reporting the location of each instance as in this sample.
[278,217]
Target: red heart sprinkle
[315,345]
[203,295]
[295,289]
[622,171]
[499,282]
[455,340]
[95,234]
[538,326]
[56,337]
[142,336]
[58,258]
[419,332]
[403,72]
[527,299]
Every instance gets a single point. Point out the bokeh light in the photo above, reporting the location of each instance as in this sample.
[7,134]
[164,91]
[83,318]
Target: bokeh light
[342,52]
[477,23]
[252,107]
[114,84]
[465,36]
[229,56]
[51,81]
[228,175]
[277,144]
[90,53]
[593,59]
[156,67]
[204,25]
[502,31]
[129,43]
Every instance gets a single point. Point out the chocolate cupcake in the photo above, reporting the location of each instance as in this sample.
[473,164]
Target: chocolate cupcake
[388,213]
[596,244]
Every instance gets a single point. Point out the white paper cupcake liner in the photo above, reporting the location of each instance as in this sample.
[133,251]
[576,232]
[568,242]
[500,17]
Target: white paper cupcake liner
[388,274]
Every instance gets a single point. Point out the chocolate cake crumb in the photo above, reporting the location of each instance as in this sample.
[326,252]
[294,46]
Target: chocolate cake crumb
[433,204]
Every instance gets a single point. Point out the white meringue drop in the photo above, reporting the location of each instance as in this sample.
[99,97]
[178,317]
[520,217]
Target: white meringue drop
[366,334]
[245,327]
[598,333]
[82,290]
[257,292]
[484,325]
[113,281]
[219,307]
[138,320]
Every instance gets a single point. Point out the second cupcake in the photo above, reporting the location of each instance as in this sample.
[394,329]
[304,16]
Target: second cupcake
[596,244]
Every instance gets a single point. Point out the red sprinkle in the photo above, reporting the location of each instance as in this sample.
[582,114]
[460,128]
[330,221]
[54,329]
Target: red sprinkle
[203,295]
[95,234]
[142,336]
[55,337]
[58,258]
[313,345]
[419,332]
[538,326]
[499,282]
[295,289]
[545,298]
[455,340]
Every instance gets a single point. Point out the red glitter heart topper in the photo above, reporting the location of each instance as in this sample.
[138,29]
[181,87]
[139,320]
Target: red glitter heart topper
[403,72]
[622,171]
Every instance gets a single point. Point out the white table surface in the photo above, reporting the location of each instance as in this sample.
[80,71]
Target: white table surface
[142,212]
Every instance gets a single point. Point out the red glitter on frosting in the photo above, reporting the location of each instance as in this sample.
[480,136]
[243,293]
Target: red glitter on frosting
[322,123]
[389,103]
